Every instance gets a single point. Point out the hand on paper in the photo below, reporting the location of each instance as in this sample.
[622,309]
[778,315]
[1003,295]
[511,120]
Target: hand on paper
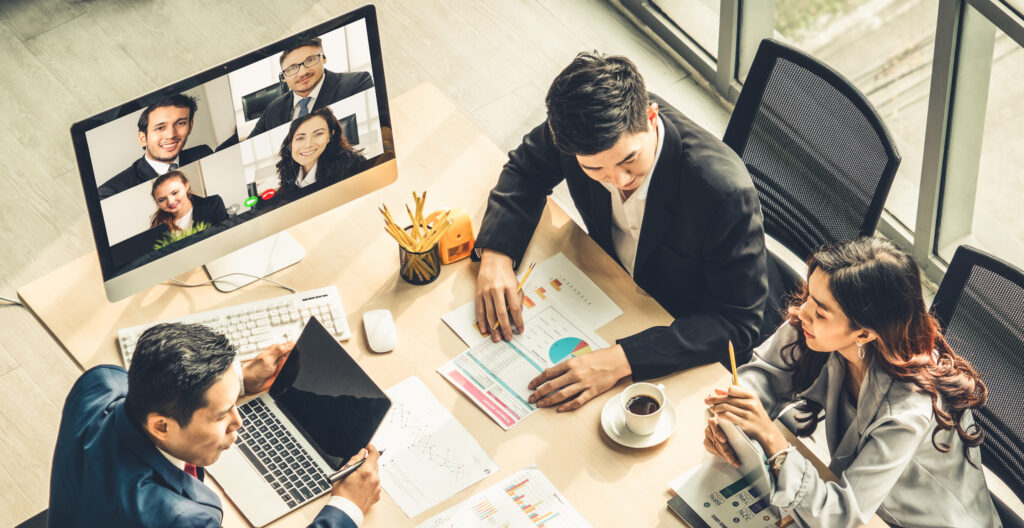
[259,372]
[717,444]
[743,408]
[497,296]
[363,486]
[577,380]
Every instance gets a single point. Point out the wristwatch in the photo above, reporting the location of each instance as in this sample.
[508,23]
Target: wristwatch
[775,461]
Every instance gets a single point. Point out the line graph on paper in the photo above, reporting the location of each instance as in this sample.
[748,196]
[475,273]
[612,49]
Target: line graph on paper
[430,456]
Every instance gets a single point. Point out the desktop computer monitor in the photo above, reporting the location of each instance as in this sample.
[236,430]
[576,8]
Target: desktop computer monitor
[190,174]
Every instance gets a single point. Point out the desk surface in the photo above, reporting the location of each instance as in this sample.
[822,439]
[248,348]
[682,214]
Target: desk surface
[441,151]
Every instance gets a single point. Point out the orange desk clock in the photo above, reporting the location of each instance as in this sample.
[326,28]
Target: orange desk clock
[457,242]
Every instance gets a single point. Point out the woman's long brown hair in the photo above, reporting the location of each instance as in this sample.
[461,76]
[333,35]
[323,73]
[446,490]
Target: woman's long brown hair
[878,287]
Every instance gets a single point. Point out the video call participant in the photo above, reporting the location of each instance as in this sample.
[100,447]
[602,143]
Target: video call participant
[315,151]
[311,86]
[860,345]
[669,201]
[179,209]
[132,445]
[163,130]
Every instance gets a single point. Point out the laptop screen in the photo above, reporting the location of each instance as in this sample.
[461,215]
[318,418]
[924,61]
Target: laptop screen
[328,397]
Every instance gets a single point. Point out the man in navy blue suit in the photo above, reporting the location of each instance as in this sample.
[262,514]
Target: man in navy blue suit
[132,445]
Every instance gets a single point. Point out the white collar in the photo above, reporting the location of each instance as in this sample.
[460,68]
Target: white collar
[308,178]
[159,166]
[178,463]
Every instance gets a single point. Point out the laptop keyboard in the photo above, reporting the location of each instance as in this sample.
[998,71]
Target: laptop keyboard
[276,455]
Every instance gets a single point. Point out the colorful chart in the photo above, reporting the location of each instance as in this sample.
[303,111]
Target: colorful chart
[567,346]
[556,284]
[540,292]
[529,506]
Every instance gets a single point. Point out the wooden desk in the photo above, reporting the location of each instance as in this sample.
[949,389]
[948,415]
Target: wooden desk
[441,151]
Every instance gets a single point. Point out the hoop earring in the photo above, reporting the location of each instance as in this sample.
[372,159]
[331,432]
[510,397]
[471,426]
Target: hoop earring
[860,350]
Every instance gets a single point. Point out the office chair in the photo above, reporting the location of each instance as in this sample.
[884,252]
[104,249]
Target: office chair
[980,304]
[819,154]
[820,157]
[254,103]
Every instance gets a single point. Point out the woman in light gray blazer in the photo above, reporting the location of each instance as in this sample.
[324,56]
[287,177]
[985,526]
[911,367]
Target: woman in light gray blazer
[860,345]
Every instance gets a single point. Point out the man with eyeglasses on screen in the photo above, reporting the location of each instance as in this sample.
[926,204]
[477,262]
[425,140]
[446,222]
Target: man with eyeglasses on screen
[311,86]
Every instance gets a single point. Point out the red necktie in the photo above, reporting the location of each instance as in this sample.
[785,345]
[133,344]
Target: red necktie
[191,470]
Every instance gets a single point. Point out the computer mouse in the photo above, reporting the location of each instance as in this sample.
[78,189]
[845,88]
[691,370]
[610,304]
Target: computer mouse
[380,331]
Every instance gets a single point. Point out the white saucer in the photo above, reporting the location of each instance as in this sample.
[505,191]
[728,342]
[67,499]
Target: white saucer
[614,424]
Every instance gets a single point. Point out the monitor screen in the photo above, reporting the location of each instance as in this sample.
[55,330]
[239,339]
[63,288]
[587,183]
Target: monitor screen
[214,162]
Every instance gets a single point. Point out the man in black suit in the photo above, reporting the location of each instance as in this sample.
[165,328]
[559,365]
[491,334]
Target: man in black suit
[669,201]
[163,130]
[310,85]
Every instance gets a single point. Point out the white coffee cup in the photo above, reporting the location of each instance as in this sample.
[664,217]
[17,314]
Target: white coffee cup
[642,424]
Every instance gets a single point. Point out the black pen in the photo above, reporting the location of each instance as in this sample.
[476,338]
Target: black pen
[349,469]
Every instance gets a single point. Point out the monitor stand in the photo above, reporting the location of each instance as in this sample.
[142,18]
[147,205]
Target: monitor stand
[259,260]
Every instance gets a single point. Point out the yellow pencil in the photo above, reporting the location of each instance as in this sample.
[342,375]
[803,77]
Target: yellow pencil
[522,282]
[732,360]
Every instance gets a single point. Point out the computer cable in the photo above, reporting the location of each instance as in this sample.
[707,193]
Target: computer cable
[11,302]
[212,281]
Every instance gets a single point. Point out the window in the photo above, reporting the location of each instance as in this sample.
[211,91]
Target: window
[697,18]
[983,209]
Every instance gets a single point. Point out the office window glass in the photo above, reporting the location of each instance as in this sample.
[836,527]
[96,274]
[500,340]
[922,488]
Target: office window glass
[885,50]
[699,19]
[986,211]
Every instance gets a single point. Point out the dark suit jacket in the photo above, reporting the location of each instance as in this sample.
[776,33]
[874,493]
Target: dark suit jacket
[209,209]
[701,252]
[107,472]
[141,171]
[336,86]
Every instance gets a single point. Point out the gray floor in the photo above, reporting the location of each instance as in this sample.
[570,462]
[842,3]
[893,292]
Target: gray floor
[63,60]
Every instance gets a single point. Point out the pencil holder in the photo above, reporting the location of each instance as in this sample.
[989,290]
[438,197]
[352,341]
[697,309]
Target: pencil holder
[419,268]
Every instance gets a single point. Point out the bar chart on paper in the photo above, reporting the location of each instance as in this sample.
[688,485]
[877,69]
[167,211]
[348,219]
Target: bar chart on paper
[526,499]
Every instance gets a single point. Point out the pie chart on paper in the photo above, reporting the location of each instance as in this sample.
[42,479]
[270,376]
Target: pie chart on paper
[567,346]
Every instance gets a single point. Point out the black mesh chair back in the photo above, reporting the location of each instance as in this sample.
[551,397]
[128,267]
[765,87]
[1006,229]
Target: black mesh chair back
[819,154]
[980,304]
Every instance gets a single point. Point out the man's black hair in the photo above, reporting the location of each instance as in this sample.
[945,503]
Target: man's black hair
[173,366]
[594,101]
[176,100]
[315,42]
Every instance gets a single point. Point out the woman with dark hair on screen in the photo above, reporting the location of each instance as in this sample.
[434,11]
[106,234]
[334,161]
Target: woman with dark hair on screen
[861,346]
[315,154]
[179,209]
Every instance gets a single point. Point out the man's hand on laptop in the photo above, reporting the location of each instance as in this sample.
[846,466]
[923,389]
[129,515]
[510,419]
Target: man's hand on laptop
[497,295]
[363,486]
[259,372]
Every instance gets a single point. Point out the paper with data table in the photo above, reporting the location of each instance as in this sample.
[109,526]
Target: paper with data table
[526,499]
[496,375]
[429,455]
[555,281]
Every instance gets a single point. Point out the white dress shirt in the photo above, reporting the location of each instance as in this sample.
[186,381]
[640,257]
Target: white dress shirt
[306,178]
[312,98]
[159,166]
[185,222]
[628,213]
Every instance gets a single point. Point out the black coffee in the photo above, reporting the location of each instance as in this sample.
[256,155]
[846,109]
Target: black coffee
[642,404]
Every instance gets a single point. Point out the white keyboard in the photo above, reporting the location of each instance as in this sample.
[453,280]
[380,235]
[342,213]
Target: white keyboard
[255,326]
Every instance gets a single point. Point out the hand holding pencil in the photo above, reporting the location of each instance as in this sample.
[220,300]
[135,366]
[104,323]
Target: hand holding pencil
[497,296]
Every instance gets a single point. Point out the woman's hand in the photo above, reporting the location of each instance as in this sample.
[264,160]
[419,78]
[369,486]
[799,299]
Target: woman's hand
[743,408]
[717,444]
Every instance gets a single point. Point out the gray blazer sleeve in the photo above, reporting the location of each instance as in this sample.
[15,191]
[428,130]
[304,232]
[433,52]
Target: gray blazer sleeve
[883,455]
